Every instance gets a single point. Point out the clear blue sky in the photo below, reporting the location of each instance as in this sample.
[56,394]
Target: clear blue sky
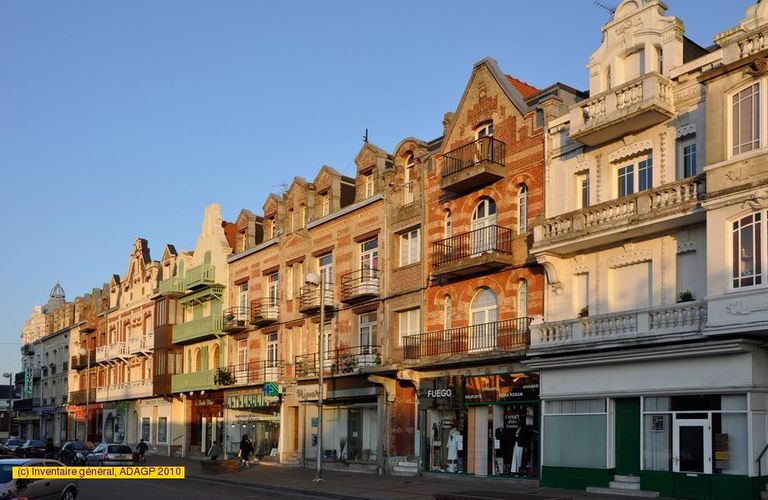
[121,120]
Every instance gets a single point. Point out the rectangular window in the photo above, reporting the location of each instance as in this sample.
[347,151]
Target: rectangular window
[689,160]
[273,352]
[369,185]
[410,247]
[584,190]
[326,206]
[626,180]
[145,429]
[409,323]
[747,249]
[367,329]
[745,119]
[242,296]
[162,430]
[581,423]
[645,174]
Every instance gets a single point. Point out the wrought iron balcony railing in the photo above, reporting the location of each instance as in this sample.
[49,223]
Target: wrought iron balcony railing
[235,319]
[476,243]
[359,285]
[80,361]
[485,149]
[79,397]
[264,311]
[254,372]
[342,361]
[309,298]
[505,335]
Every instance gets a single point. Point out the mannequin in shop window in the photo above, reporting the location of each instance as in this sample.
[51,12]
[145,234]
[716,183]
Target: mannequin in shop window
[455,445]
[521,455]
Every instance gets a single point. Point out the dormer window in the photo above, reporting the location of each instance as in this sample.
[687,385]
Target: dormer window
[368,184]
[271,228]
[325,204]
[302,216]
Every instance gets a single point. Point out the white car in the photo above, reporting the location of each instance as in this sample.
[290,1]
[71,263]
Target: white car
[65,489]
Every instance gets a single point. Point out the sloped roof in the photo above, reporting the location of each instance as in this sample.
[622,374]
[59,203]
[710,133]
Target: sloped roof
[525,89]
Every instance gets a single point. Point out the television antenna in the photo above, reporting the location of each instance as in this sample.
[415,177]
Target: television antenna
[603,5]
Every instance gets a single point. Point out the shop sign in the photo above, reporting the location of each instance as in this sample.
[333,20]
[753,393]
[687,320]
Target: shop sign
[440,392]
[251,400]
[44,410]
[27,389]
[309,393]
[271,389]
[508,387]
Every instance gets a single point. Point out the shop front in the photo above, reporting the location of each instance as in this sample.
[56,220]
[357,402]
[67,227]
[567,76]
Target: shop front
[350,421]
[150,420]
[206,421]
[254,412]
[114,422]
[696,435]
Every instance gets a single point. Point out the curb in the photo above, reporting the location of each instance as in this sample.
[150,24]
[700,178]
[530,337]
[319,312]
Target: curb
[287,489]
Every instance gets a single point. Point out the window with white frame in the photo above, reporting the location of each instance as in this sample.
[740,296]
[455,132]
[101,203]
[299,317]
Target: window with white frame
[273,350]
[687,158]
[271,228]
[325,200]
[368,184]
[448,224]
[408,323]
[367,329]
[242,296]
[408,180]
[410,247]
[447,313]
[635,177]
[745,119]
[748,249]
[582,189]
[522,299]
[522,209]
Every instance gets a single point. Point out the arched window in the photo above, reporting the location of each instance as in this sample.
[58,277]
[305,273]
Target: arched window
[198,359]
[216,360]
[448,224]
[483,236]
[447,312]
[484,308]
[522,299]
[408,180]
[522,209]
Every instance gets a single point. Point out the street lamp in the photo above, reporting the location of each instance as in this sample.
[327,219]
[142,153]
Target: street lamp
[318,280]
[84,352]
[10,400]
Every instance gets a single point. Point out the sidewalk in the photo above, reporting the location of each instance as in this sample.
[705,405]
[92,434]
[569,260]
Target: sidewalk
[357,485]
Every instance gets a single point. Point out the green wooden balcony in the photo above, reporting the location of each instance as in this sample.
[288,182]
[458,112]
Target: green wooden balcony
[171,286]
[195,381]
[200,276]
[198,329]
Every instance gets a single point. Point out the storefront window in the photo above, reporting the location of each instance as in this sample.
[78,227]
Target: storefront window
[162,430]
[580,423]
[145,429]
[696,434]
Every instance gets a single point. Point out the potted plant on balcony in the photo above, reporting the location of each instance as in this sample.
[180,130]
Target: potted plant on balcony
[685,296]
[223,377]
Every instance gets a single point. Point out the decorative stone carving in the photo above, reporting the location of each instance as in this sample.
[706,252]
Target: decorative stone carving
[662,157]
[631,150]
[743,308]
[580,269]
[692,92]
[685,131]
[686,247]
[735,174]
[630,258]
[758,200]
[758,67]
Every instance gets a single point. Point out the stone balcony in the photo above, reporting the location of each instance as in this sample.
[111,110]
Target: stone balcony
[144,343]
[624,109]
[111,351]
[614,329]
[129,390]
[667,207]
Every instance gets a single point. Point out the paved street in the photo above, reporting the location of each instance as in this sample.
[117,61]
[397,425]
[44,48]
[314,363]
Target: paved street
[187,489]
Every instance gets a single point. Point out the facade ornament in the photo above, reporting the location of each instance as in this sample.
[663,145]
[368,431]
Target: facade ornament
[662,157]
[598,178]
[685,131]
[686,247]
[631,150]
[758,67]
[734,174]
[742,308]
[630,258]
[757,201]
[580,269]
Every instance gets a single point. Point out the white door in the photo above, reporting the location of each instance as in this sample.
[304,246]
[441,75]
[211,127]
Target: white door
[325,265]
[369,266]
[483,235]
[241,372]
[273,293]
[484,314]
[692,445]
[273,358]
[242,301]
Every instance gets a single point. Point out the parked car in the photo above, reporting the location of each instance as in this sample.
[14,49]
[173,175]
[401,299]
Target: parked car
[74,452]
[65,489]
[111,454]
[6,453]
[32,448]
[13,443]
